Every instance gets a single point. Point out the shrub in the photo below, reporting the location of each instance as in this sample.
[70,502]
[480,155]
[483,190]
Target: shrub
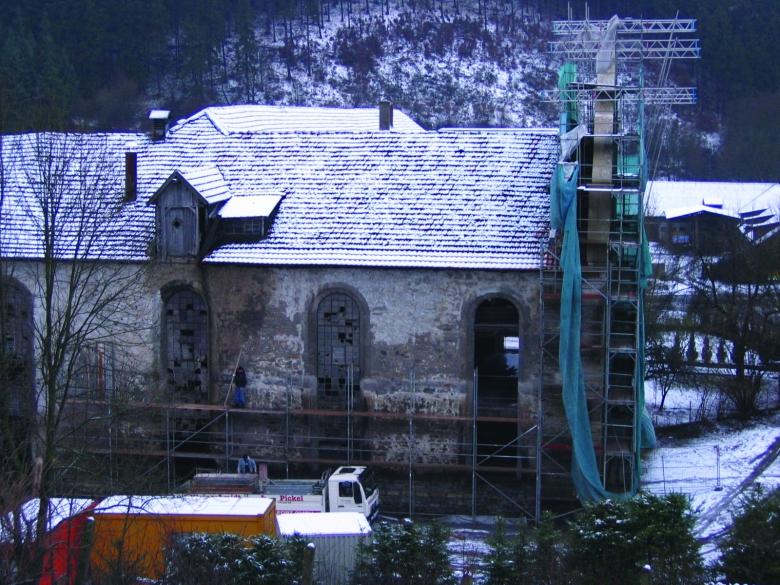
[751,545]
[611,541]
[405,553]
[526,557]
[225,559]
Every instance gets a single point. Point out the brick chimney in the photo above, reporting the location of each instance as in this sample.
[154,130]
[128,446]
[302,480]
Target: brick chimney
[385,115]
[159,120]
[131,176]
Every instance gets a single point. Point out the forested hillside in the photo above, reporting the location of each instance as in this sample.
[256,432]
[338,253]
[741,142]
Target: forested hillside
[101,65]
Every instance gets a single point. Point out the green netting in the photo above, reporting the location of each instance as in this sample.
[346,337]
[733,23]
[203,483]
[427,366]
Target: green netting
[585,472]
[569,118]
[647,432]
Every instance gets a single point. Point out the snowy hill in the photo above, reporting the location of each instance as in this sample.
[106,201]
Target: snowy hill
[440,67]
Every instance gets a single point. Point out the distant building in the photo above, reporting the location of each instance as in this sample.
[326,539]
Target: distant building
[697,215]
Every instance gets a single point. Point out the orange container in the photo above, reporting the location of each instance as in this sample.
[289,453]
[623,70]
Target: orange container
[133,533]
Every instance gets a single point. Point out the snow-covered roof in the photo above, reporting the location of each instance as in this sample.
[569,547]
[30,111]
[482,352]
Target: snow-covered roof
[60,509]
[84,175]
[258,118]
[185,505]
[205,180]
[469,199]
[757,205]
[314,524]
[732,196]
[694,209]
[208,182]
[250,206]
[454,200]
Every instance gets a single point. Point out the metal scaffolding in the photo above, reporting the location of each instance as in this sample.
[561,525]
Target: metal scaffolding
[215,436]
[602,97]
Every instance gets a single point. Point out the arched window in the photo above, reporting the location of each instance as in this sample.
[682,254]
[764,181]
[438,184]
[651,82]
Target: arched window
[497,350]
[338,351]
[16,356]
[185,344]
[498,361]
[338,376]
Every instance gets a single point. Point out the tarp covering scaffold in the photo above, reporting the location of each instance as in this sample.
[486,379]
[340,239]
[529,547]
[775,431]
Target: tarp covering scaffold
[585,472]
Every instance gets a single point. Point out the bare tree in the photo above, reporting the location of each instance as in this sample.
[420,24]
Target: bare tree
[69,242]
[734,298]
[665,328]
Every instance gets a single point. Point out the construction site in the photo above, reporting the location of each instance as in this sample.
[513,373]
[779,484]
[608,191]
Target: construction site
[487,450]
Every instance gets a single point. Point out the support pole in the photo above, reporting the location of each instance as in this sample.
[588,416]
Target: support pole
[232,376]
[718,486]
[411,443]
[474,449]
[349,412]
[287,419]
[227,441]
[168,445]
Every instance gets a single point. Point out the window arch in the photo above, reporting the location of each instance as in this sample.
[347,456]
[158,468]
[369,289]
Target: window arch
[185,343]
[338,350]
[498,351]
[17,366]
[340,326]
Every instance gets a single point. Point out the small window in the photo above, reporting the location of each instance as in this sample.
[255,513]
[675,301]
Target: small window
[243,227]
[345,489]
[512,343]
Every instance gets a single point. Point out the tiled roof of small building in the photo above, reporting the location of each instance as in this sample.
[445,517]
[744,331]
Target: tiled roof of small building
[735,197]
[467,199]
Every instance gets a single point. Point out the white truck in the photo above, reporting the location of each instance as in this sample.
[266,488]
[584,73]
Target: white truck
[348,489]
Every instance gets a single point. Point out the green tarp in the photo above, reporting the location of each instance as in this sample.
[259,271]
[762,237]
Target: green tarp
[585,472]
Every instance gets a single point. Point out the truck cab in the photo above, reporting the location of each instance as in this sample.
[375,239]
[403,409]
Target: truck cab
[353,489]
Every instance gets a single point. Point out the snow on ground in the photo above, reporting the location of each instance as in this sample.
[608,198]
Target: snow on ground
[713,469]
[717,466]
[468,544]
[722,458]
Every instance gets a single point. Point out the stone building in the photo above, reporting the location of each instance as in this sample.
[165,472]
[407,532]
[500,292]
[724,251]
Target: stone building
[378,282]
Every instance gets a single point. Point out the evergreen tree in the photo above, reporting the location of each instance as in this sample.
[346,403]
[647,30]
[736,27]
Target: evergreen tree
[225,559]
[613,540]
[751,545]
[406,553]
[508,561]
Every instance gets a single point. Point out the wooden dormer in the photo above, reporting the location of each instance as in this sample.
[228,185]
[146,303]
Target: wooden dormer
[183,205]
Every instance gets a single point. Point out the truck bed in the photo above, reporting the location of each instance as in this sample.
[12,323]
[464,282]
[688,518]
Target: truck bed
[221,483]
[292,486]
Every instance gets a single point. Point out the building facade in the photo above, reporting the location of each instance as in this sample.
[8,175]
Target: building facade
[380,287]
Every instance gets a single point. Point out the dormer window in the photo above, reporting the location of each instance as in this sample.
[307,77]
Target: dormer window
[244,227]
[247,218]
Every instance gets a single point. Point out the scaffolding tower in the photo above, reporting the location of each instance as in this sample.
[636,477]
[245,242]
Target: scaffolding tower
[604,111]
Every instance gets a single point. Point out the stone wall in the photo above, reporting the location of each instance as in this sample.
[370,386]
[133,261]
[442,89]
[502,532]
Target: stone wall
[415,323]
